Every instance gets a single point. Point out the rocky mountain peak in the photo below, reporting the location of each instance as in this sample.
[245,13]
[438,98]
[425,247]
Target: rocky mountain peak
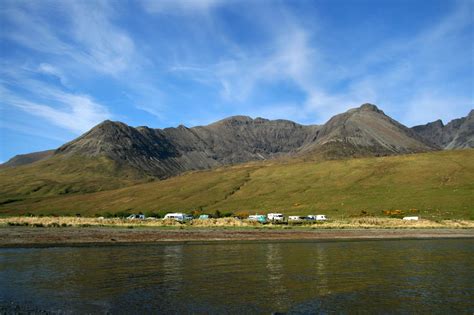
[366,130]
[369,107]
[457,134]
[364,109]
[235,120]
[106,124]
[437,123]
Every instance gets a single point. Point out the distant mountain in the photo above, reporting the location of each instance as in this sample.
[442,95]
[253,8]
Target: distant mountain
[23,159]
[363,131]
[366,131]
[170,151]
[457,134]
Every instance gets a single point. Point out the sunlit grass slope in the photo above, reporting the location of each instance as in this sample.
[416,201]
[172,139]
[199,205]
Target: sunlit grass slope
[434,185]
[60,176]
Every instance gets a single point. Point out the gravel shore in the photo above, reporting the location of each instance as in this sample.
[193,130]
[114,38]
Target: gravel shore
[15,236]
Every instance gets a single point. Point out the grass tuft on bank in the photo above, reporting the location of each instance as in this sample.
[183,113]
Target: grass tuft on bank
[354,223]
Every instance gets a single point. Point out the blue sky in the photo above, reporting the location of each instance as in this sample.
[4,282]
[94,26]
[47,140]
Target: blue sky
[68,65]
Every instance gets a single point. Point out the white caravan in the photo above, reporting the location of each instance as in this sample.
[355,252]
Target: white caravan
[181,217]
[276,217]
[295,218]
[410,218]
[136,216]
[318,217]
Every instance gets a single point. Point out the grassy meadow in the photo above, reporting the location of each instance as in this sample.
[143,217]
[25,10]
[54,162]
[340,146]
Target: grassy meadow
[435,186]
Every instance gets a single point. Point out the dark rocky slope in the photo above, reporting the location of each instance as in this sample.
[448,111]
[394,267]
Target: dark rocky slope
[363,131]
[457,134]
[170,151]
[23,159]
[366,131]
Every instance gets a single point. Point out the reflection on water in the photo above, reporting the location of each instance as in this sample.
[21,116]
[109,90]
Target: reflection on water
[320,268]
[274,278]
[371,276]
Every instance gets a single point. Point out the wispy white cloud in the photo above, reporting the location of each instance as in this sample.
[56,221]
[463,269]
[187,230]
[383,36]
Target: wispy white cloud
[414,74]
[77,113]
[23,128]
[29,29]
[86,44]
[57,105]
[48,69]
[88,37]
[290,56]
[105,47]
[398,74]
[426,107]
[180,6]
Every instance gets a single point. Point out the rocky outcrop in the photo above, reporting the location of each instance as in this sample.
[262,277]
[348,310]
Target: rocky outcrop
[457,134]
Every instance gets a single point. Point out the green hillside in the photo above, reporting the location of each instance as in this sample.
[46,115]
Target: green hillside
[64,176]
[434,185]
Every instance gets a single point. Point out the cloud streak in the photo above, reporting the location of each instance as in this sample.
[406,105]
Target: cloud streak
[402,75]
[179,6]
[76,113]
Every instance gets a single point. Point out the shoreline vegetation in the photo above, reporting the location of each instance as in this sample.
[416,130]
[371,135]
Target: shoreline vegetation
[343,223]
[80,231]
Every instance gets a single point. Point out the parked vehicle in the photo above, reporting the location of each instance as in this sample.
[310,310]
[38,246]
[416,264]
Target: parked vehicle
[410,218]
[180,217]
[204,217]
[258,217]
[318,217]
[296,218]
[136,216]
[276,217]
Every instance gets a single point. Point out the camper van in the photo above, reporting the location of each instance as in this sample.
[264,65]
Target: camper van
[318,217]
[180,217]
[276,217]
[258,217]
[296,218]
[136,216]
[410,218]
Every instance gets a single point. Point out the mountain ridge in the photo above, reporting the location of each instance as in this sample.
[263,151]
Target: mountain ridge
[358,132]
[366,131]
[457,134]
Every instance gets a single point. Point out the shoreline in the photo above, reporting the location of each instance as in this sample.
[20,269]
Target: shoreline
[21,237]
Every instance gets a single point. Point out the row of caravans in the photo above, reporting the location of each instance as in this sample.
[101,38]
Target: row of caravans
[279,218]
[262,218]
[270,217]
